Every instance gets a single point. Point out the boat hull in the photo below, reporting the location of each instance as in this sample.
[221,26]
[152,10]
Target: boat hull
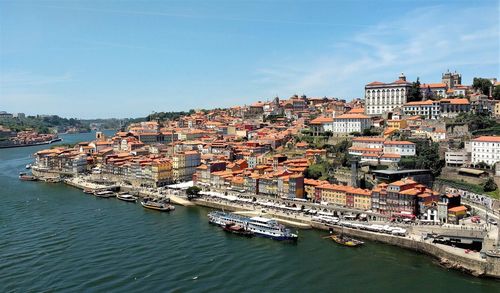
[127,199]
[156,208]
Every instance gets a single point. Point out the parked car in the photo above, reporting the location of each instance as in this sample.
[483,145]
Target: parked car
[492,221]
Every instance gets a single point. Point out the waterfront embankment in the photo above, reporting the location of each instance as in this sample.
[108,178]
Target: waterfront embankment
[87,185]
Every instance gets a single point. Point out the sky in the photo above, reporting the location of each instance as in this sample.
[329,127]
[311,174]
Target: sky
[102,59]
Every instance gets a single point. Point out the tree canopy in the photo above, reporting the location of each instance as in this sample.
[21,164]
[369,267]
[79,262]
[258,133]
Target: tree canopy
[496,92]
[427,157]
[414,93]
[482,84]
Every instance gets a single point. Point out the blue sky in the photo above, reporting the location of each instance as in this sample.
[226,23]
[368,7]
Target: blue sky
[92,59]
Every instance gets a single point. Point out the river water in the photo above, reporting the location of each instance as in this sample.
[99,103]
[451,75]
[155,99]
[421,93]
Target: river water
[55,238]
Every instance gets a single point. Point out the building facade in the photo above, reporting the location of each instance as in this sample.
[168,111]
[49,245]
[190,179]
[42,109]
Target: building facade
[384,97]
[485,149]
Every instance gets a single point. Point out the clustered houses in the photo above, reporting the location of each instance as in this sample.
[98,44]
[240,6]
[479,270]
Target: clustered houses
[437,109]
[378,150]
[66,161]
[402,198]
[483,151]
[24,137]
[263,149]
[275,176]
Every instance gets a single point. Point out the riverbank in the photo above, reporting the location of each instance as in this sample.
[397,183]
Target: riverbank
[30,144]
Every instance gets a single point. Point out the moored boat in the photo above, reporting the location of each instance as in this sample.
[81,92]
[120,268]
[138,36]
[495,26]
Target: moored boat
[28,166]
[126,197]
[237,229]
[258,226]
[88,191]
[105,194]
[346,241]
[156,205]
[26,177]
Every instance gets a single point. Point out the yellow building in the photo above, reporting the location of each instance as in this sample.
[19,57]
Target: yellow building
[397,124]
[161,172]
[332,193]
[497,109]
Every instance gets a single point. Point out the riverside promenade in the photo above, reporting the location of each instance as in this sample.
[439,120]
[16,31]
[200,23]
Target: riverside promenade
[141,192]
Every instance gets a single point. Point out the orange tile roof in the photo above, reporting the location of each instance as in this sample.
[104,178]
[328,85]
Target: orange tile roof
[416,103]
[487,139]
[352,116]
[357,111]
[456,101]
[398,142]
[376,83]
[368,139]
[458,209]
[321,120]
[433,85]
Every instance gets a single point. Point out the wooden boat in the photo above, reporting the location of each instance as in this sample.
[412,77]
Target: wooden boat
[159,206]
[126,197]
[346,241]
[105,194]
[237,229]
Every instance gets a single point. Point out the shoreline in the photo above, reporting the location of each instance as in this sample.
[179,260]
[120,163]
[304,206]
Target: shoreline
[32,144]
[447,256]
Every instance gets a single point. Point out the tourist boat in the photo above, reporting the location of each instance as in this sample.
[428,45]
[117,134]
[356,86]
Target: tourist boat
[26,177]
[155,205]
[270,228]
[105,194]
[237,229]
[259,226]
[346,241]
[126,197]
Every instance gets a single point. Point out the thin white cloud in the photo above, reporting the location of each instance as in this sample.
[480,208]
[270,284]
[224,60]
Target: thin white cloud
[201,16]
[425,41]
[20,79]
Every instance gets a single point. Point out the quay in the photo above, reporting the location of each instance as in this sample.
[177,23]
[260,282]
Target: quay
[83,184]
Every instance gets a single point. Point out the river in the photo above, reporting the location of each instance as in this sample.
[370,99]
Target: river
[55,238]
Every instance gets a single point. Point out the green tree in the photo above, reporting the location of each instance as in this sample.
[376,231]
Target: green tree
[313,172]
[414,93]
[490,185]
[482,84]
[496,92]
[407,163]
[193,191]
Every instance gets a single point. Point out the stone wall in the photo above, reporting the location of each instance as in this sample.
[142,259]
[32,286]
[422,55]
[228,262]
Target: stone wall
[487,268]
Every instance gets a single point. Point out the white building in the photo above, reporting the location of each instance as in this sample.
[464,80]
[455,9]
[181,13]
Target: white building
[485,149]
[321,124]
[348,123]
[434,89]
[457,158]
[368,142]
[384,97]
[402,148]
[429,109]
